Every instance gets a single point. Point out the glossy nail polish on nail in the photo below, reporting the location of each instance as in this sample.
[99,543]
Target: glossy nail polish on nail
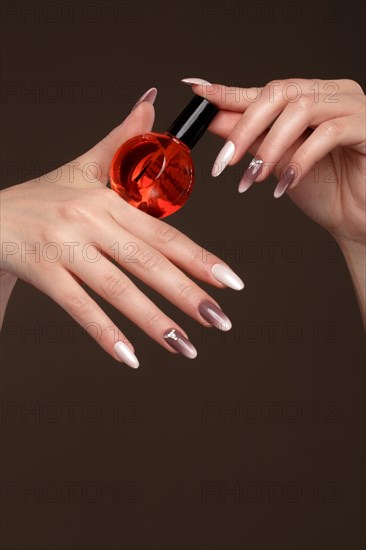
[214,315]
[180,343]
[154,172]
[250,175]
[223,158]
[226,276]
[286,179]
[126,354]
[149,96]
[196,81]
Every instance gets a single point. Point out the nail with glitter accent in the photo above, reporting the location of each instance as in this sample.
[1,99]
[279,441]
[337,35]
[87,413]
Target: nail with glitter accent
[223,158]
[214,315]
[124,353]
[250,175]
[286,179]
[226,276]
[180,343]
[149,96]
[196,81]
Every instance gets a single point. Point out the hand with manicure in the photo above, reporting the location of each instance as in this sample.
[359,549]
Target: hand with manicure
[65,228]
[312,135]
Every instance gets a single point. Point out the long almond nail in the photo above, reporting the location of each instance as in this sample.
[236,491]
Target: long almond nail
[180,343]
[223,158]
[195,81]
[250,175]
[286,179]
[214,315]
[126,355]
[226,276]
[149,96]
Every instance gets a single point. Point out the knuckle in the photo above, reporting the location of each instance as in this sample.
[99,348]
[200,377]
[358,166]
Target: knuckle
[115,286]
[165,234]
[244,126]
[304,103]
[274,90]
[185,290]
[302,157]
[354,85]
[149,260]
[199,257]
[115,202]
[275,83]
[77,305]
[153,319]
[73,210]
[53,234]
[270,145]
[329,128]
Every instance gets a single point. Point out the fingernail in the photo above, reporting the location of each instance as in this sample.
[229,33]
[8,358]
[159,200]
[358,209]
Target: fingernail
[227,277]
[149,96]
[126,355]
[250,175]
[214,315]
[180,343]
[222,159]
[195,81]
[286,179]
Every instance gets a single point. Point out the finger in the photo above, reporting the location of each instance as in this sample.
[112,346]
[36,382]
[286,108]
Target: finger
[66,292]
[176,247]
[266,106]
[288,127]
[235,98]
[345,131]
[98,159]
[114,286]
[154,269]
[223,123]
[255,120]
[231,98]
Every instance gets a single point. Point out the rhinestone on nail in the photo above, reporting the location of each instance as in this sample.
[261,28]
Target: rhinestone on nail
[171,334]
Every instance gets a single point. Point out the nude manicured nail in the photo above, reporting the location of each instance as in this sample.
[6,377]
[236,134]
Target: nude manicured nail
[180,343]
[286,179]
[223,158]
[214,315]
[227,277]
[250,175]
[149,96]
[195,81]
[126,355]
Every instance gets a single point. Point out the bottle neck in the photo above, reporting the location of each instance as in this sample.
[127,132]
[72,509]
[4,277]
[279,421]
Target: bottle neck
[193,121]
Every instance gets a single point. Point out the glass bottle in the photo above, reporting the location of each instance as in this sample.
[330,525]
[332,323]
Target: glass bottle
[154,172]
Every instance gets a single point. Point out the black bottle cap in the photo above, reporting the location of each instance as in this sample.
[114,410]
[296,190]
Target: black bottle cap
[193,121]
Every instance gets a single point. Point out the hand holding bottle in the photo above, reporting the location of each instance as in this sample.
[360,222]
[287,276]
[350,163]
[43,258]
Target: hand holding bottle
[63,230]
[312,135]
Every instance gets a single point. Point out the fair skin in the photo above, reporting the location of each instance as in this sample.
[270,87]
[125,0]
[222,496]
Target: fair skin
[71,216]
[317,127]
[306,132]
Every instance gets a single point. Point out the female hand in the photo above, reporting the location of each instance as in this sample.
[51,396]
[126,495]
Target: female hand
[312,135]
[62,230]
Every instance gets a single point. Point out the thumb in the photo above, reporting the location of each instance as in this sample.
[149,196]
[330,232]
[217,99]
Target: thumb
[139,121]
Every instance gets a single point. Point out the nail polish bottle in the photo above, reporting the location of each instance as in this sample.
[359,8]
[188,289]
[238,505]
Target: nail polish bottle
[154,172]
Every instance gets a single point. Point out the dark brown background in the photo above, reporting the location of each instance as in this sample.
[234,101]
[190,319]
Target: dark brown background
[175,451]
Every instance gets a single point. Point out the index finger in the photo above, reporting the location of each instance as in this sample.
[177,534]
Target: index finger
[174,245]
[232,98]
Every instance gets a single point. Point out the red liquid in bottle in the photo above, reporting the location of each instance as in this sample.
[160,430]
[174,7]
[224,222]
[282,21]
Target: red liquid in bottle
[153,172]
